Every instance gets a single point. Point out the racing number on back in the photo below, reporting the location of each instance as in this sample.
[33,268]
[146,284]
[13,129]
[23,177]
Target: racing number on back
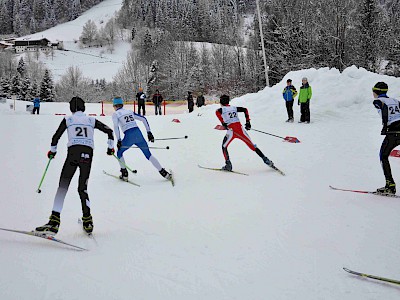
[81,131]
[394,110]
[232,115]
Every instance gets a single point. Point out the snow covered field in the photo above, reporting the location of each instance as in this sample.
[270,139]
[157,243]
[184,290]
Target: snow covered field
[214,235]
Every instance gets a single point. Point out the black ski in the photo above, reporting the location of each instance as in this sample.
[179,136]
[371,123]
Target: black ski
[364,192]
[117,177]
[44,236]
[219,169]
[372,276]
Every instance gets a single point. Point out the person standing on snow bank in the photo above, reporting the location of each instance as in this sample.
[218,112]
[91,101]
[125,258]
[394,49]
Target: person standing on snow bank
[36,105]
[228,115]
[80,129]
[126,119]
[389,108]
[141,99]
[304,101]
[289,93]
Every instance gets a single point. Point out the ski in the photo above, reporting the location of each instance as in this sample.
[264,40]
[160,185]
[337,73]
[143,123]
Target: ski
[172,179]
[44,236]
[364,192]
[219,169]
[279,171]
[116,177]
[372,276]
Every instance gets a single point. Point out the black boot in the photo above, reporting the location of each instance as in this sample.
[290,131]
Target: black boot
[165,174]
[87,223]
[228,166]
[267,161]
[389,188]
[52,226]
[124,174]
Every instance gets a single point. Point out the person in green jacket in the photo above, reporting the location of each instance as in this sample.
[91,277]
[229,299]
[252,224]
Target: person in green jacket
[304,101]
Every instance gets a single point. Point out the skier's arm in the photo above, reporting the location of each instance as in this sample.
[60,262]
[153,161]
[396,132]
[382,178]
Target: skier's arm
[294,91]
[309,93]
[103,127]
[57,135]
[144,120]
[384,111]
[245,111]
[116,127]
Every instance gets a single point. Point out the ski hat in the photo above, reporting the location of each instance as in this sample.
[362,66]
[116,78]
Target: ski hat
[118,101]
[304,78]
[289,80]
[380,88]
[224,99]
[76,104]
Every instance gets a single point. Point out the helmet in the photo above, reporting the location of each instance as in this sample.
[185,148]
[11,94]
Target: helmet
[76,104]
[224,99]
[118,101]
[380,88]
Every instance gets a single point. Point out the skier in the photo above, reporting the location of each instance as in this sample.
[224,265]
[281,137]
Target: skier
[36,105]
[389,108]
[80,129]
[126,119]
[228,115]
[304,101]
[141,99]
[157,100]
[289,93]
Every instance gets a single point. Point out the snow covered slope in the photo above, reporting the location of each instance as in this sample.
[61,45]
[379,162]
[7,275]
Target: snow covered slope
[92,62]
[214,235]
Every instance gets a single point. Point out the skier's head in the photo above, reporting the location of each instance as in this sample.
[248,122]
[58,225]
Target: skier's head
[304,80]
[224,100]
[118,102]
[76,104]
[140,89]
[380,88]
[289,81]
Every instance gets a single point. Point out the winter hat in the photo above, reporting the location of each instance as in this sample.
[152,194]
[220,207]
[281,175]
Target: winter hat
[289,80]
[76,104]
[118,101]
[304,78]
[224,99]
[380,88]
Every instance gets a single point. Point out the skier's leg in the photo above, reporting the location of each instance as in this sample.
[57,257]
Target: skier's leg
[85,164]
[388,144]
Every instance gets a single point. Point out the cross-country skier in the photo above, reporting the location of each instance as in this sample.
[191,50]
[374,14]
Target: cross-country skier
[389,108]
[80,129]
[126,119]
[228,115]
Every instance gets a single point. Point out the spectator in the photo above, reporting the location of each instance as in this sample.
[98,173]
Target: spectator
[36,105]
[289,92]
[157,100]
[190,102]
[304,101]
[141,99]
[200,101]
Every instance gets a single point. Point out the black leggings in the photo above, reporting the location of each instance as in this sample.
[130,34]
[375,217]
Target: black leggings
[289,108]
[78,156]
[140,107]
[389,143]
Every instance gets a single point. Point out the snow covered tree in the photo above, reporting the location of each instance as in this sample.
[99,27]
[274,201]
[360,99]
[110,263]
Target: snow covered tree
[89,33]
[47,88]
[26,89]
[5,86]
[16,85]
[21,69]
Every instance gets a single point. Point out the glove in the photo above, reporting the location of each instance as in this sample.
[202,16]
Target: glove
[225,126]
[119,144]
[51,154]
[298,102]
[384,130]
[150,137]
[248,125]
[110,151]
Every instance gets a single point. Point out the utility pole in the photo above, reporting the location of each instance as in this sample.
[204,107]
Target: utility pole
[262,44]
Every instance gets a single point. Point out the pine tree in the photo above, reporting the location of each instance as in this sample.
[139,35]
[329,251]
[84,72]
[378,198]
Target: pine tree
[16,85]
[47,87]
[21,69]
[5,86]
[26,89]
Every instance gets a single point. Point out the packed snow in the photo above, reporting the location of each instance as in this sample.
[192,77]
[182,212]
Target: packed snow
[214,235]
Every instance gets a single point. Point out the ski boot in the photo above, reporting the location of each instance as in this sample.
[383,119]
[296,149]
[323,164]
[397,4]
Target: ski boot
[389,188]
[165,174]
[52,226]
[228,166]
[268,162]
[124,175]
[87,223]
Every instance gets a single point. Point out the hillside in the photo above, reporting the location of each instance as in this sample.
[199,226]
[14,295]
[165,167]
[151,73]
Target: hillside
[214,235]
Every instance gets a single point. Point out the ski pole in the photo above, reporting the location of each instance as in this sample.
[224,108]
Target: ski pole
[290,139]
[173,138]
[147,147]
[44,174]
[133,171]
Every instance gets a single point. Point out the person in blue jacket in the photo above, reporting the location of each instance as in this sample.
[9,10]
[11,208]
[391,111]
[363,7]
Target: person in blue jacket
[289,92]
[36,105]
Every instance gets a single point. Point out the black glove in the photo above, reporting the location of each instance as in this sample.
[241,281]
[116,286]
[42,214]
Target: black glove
[384,130]
[51,154]
[119,144]
[110,151]
[248,125]
[225,126]
[150,137]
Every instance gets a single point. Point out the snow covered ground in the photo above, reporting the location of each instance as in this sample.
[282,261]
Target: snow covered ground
[214,235]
